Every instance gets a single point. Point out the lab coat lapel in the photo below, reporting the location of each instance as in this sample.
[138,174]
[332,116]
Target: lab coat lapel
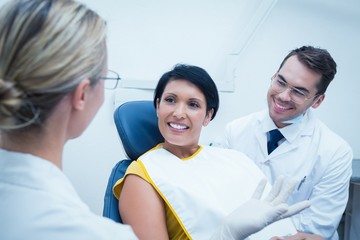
[284,148]
[262,142]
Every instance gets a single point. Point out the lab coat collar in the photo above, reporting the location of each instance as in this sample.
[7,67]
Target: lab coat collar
[291,133]
[30,171]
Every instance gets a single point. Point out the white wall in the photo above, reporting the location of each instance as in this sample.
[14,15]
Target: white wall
[147,38]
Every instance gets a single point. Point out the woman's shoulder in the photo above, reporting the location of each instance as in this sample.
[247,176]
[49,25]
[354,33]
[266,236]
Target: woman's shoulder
[134,168]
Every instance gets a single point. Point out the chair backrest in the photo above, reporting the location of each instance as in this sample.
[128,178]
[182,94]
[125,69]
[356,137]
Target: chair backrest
[137,125]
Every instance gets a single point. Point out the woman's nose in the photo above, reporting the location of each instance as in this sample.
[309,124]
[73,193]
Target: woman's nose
[179,111]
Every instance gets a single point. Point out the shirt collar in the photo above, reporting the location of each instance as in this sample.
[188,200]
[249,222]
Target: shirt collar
[289,132]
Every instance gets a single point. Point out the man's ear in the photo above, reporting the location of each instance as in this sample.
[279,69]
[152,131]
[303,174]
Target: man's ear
[79,94]
[319,100]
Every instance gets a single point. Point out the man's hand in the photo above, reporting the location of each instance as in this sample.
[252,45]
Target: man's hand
[300,236]
[255,214]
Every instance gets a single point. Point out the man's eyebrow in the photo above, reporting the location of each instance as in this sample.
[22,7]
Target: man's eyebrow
[297,88]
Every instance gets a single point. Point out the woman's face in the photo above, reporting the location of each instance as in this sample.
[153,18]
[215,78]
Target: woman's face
[181,114]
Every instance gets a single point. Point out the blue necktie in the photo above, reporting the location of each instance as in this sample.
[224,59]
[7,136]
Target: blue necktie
[275,137]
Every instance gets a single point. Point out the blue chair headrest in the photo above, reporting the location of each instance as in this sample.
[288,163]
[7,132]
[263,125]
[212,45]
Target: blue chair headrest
[137,125]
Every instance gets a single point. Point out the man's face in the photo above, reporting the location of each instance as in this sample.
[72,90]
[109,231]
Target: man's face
[295,79]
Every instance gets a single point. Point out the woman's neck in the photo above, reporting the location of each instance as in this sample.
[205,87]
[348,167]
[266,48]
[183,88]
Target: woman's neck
[35,143]
[181,151]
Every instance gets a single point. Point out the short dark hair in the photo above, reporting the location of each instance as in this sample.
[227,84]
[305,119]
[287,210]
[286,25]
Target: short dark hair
[318,60]
[197,76]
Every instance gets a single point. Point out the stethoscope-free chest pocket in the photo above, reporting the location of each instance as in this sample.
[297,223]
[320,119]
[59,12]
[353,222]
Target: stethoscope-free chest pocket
[303,189]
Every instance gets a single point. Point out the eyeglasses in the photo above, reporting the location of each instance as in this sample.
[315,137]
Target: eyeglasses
[111,80]
[296,95]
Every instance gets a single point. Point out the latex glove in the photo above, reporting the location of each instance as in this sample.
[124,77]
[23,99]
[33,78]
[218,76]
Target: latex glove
[300,236]
[255,214]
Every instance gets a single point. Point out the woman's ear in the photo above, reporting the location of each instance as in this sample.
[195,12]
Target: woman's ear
[157,106]
[157,103]
[208,117]
[79,94]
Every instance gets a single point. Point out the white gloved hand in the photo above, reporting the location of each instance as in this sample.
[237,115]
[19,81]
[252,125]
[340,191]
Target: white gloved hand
[256,214]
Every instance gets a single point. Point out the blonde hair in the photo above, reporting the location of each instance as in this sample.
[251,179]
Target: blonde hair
[46,48]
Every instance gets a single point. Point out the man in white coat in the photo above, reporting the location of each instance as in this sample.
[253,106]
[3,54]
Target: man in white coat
[288,139]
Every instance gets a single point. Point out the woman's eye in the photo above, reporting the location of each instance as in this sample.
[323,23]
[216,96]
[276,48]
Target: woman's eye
[169,99]
[194,105]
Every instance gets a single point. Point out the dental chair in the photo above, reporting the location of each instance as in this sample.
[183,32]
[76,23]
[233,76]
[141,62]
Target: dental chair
[137,125]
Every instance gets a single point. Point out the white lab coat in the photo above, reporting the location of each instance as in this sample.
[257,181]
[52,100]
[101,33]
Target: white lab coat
[312,153]
[39,202]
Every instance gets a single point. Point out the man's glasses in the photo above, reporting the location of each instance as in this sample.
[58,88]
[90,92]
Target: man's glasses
[111,80]
[296,95]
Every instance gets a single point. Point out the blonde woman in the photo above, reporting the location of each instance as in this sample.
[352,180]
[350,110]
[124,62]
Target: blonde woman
[52,61]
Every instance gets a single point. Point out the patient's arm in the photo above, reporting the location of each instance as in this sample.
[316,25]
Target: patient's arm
[142,208]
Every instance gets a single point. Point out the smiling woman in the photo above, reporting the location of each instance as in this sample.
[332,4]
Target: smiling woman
[182,190]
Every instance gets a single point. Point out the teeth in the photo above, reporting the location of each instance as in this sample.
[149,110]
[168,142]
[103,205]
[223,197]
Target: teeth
[176,126]
[279,106]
